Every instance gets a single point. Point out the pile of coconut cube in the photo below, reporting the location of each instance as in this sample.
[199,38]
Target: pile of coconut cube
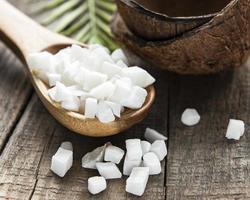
[142,158]
[92,81]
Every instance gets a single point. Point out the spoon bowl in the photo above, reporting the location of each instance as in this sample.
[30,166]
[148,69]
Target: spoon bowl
[29,37]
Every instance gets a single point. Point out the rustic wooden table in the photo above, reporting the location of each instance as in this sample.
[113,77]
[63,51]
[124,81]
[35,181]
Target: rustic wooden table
[201,162]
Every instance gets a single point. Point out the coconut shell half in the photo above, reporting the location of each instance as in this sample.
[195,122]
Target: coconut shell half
[222,43]
[151,25]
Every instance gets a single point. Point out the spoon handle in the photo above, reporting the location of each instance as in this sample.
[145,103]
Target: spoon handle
[23,35]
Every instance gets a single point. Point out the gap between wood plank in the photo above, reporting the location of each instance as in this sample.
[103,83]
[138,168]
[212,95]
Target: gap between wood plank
[13,127]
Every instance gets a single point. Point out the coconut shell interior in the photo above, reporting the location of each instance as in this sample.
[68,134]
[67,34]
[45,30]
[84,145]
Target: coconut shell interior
[222,43]
[184,8]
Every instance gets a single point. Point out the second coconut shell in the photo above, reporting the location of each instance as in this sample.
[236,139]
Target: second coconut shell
[222,43]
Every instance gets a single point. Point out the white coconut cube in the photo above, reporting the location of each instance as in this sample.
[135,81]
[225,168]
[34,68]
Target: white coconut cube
[96,184]
[121,92]
[121,64]
[110,69]
[53,78]
[52,93]
[97,155]
[104,113]
[62,93]
[115,107]
[92,47]
[72,104]
[151,161]
[118,54]
[151,135]
[128,165]
[113,154]
[137,181]
[139,76]
[190,117]
[235,129]
[136,98]
[91,107]
[77,53]
[69,73]
[62,161]
[159,148]
[42,62]
[108,170]
[134,151]
[99,56]
[145,146]
[103,91]
[77,92]
[67,145]
[93,79]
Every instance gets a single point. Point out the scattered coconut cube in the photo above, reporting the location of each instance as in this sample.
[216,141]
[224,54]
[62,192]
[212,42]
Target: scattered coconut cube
[113,154]
[67,145]
[103,91]
[96,184]
[134,151]
[104,113]
[118,54]
[235,129]
[90,107]
[151,135]
[110,69]
[145,147]
[139,76]
[108,170]
[151,161]
[159,148]
[97,155]
[137,181]
[128,165]
[62,161]
[190,117]
[136,98]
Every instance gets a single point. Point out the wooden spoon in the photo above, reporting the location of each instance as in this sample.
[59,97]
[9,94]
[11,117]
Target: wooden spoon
[25,36]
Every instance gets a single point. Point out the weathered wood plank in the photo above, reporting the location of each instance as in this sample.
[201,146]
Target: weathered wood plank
[15,91]
[202,163]
[21,157]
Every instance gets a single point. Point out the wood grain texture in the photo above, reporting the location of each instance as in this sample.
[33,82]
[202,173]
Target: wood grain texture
[202,163]
[15,91]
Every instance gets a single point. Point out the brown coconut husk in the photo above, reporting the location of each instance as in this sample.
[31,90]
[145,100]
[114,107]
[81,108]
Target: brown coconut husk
[157,20]
[222,43]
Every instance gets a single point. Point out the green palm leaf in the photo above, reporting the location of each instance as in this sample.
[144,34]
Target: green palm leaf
[84,20]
